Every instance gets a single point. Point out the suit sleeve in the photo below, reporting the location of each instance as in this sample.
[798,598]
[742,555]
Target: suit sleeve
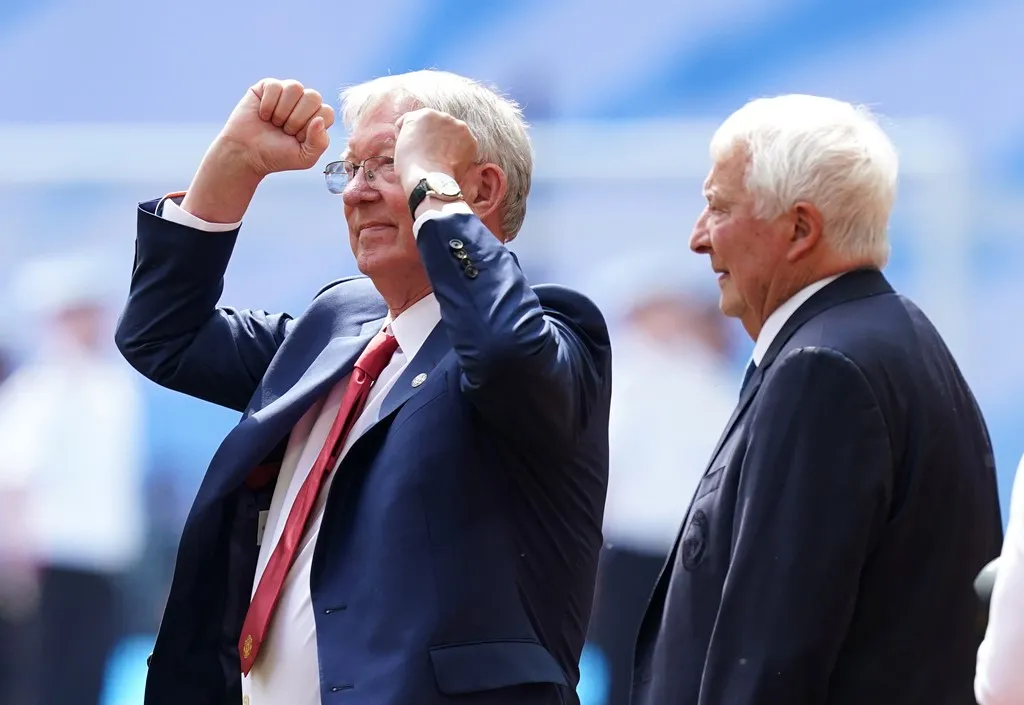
[533,373]
[999,679]
[813,496]
[171,329]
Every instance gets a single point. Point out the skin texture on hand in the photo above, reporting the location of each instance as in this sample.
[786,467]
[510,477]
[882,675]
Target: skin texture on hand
[430,141]
[276,126]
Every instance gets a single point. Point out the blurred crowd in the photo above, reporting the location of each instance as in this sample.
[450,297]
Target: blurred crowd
[73,526]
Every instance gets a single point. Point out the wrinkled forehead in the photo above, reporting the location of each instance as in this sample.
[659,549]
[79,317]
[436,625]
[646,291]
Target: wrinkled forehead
[373,134]
[728,175]
[380,143]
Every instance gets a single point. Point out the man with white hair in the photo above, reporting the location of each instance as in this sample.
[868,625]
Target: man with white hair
[409,510]
[829,551]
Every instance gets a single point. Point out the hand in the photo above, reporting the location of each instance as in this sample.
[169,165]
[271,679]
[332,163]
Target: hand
[430,141]
[279,126]
[276,126]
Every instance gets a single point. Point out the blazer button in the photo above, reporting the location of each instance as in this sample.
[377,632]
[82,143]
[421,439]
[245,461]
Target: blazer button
[471,272]
[461,255]
[456,244]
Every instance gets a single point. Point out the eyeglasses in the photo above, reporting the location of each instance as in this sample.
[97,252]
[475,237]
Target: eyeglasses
[376,170]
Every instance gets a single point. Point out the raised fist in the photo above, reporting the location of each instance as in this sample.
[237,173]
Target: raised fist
[428,141]
[278,126]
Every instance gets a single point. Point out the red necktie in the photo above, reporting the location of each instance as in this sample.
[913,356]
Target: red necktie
[367,368]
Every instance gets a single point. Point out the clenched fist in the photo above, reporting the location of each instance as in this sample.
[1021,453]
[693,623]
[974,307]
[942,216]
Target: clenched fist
[276,126]
[279,126]
[430,141]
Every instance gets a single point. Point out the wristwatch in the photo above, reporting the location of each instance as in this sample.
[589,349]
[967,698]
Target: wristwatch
[436,184]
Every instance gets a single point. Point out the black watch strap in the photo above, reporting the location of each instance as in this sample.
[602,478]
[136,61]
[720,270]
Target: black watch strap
[419,193]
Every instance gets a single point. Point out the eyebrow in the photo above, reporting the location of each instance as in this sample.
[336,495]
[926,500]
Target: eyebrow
[378,145]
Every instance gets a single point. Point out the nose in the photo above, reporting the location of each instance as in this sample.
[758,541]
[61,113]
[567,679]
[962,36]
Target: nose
[700,238]
[358,190]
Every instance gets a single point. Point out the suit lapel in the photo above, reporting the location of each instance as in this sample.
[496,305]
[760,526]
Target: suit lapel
[256,435]
[418,371]
[745,398]
[853,285]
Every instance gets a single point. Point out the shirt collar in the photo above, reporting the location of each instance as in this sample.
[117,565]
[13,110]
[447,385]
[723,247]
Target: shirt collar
[779,316]
[412,326]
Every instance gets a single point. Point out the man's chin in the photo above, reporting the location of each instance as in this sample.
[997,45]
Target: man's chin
[729,307]
[380,261]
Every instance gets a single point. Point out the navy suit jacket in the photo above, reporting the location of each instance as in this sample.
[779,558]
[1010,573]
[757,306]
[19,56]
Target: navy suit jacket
[830,549]
[456,557]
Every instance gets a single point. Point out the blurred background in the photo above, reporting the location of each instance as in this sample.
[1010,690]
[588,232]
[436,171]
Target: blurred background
[107,103]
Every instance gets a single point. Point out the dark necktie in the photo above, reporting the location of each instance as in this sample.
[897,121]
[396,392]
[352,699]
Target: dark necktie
[747,376]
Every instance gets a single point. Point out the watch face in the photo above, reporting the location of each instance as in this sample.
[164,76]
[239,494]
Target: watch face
[443,184]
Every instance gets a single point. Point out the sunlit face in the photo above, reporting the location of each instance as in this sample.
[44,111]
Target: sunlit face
[378,217]
[744,250]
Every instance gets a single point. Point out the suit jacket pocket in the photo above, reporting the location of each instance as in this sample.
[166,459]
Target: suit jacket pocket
[489,665]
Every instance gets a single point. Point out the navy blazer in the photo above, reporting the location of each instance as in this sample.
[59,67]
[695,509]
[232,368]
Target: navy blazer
[829,551]
[457,553]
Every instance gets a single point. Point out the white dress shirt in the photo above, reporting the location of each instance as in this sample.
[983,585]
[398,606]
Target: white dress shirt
[777,319]
[288,670]
[1000,676]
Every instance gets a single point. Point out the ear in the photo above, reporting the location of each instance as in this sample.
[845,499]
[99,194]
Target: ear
[808,227]
[484,188]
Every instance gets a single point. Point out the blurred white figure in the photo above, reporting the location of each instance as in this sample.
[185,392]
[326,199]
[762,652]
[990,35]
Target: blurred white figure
[1000,676]
[673,390]
[70,479]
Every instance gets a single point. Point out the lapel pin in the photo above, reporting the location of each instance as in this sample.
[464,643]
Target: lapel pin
[419,379]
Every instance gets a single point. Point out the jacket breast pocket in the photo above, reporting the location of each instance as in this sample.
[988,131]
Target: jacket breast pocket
[696,536]
[489,665]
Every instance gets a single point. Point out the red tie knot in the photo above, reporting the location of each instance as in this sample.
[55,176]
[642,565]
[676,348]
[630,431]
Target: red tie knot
[377,354]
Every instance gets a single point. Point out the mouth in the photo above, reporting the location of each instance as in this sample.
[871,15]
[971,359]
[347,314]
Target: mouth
[374,226]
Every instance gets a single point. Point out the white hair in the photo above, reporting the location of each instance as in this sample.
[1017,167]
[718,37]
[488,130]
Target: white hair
[496,121]
[823,151]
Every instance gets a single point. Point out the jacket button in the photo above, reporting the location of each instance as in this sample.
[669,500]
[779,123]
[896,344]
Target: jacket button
[471,272]
[456,244]
[461,254]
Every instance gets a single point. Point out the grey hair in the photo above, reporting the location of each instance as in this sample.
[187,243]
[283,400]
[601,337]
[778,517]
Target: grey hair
[823,151]
[496,121]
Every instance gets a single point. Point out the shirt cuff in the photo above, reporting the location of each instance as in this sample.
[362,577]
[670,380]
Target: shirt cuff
[434,212]
[176,214]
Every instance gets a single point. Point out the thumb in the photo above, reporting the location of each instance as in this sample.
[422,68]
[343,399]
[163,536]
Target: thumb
[317,141]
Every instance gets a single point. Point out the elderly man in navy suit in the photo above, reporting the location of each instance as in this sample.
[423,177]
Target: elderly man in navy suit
[409,509]
[829,552]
